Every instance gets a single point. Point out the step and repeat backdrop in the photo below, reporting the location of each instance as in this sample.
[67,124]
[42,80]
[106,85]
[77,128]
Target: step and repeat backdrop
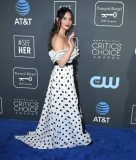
[106,69]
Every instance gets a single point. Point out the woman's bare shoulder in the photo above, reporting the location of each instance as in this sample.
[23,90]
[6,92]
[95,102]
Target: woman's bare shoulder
[57,43]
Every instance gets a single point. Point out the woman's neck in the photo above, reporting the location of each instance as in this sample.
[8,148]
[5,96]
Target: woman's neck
[62,32]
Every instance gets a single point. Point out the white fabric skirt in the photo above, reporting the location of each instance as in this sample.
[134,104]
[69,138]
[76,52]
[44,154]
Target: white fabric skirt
[60,122]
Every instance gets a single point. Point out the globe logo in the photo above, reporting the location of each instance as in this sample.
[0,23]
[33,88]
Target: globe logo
[22,7]
[102,108]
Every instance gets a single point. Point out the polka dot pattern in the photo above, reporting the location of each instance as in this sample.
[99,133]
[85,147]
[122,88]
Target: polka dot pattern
[60,122]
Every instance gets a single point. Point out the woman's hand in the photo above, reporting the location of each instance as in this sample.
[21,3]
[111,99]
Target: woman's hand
[62,61]
[70,41]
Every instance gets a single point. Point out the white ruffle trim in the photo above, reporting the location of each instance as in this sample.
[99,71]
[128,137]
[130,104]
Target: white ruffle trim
[56,55]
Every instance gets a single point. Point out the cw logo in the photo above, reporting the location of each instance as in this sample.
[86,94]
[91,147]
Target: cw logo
[96,83]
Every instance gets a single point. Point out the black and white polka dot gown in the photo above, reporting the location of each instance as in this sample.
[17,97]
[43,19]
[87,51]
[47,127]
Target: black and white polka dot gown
[60,122]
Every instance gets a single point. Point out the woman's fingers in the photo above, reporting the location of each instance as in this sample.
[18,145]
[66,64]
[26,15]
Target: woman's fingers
[72,34]
[71,42]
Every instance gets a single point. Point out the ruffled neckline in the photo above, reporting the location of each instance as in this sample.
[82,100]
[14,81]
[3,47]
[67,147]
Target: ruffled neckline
[60,50]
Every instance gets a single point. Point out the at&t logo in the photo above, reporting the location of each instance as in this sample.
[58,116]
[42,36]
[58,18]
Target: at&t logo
[102,108]
[22,7]
[98,82]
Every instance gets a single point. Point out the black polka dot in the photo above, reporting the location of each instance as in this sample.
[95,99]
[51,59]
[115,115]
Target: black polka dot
[60,123]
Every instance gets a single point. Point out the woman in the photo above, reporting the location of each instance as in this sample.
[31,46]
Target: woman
[60,123]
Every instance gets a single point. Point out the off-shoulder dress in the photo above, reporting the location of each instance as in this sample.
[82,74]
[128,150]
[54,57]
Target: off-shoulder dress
[60,122]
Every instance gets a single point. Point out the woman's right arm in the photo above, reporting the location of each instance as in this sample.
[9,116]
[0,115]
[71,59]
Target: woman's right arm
[58,45]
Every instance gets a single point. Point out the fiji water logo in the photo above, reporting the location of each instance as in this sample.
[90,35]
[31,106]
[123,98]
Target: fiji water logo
[22,7]
[102,108]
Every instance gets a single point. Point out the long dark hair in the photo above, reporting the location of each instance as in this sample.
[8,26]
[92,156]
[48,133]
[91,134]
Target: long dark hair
[56,26]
